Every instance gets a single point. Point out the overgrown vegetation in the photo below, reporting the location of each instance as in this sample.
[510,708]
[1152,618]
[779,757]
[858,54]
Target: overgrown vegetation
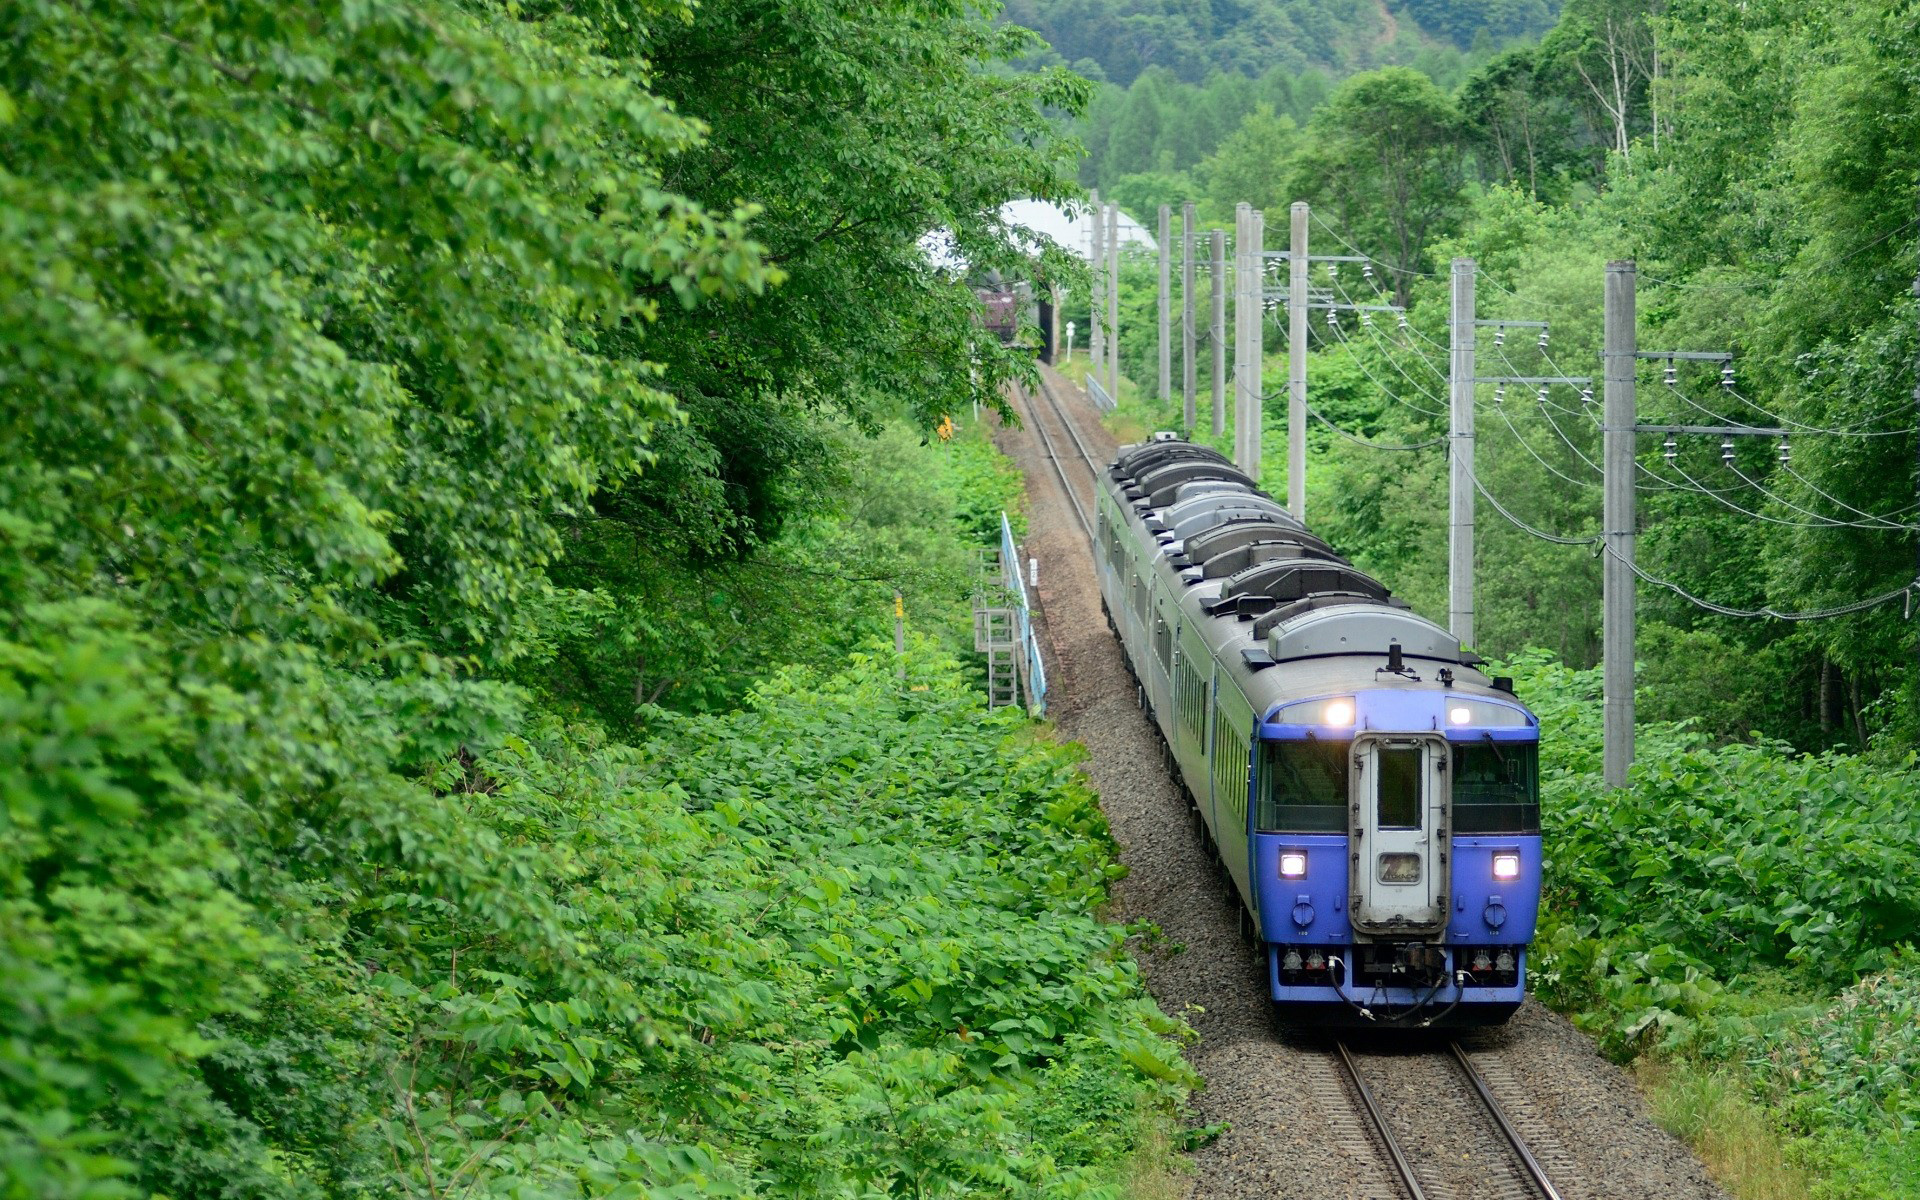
[1748,913]
[413,411]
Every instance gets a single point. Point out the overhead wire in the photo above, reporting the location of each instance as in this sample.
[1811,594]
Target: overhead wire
[1842,610]
[1347,298]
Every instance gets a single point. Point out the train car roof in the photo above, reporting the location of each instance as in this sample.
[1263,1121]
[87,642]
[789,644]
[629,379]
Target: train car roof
[1285,615]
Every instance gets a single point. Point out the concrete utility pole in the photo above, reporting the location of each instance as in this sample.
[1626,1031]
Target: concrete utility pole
[1166,304]
[1096,301]
[1188,377]
[1242,271]
[1256,341]
[1113,302]
[1621,344]
[1297,284]
[1217,327]
[1460,508]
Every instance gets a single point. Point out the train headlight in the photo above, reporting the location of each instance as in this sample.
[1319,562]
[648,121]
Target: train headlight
[1293,864]
[1337,713]
[1484,714]
[1506,866]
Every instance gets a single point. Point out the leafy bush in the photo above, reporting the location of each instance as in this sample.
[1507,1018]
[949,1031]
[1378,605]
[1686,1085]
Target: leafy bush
[1742,904]
[839,944]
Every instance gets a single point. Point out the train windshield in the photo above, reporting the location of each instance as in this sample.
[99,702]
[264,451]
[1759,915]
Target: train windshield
[1303,787]
[1496,788]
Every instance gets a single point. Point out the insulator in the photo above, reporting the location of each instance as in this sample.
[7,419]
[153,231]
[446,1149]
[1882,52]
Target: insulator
[1543,393]
[1673,373]
[1333,319]
[1726,451]
[1500,393]
[1403,320]
[1333,270]
[1671,449]
[1366,271]
[1543,339]
[1500,336]
[1586,395]
[1726,375]
[1366,320]
[1785,453]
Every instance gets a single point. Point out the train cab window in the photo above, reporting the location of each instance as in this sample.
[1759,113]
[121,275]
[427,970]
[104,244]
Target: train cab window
[1303,787]
[1399,786]
[1496,788]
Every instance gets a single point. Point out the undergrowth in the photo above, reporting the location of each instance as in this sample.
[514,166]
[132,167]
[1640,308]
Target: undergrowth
[1742,917]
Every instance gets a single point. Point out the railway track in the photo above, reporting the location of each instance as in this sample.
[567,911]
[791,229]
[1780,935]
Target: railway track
[1521,1176]
[1079,499]
[1527,1178]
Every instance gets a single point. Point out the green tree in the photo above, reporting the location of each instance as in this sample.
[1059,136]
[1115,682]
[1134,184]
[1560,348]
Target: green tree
[1251,164]
[1383,158]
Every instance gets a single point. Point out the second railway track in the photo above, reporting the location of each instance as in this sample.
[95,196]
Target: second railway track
[1079,496]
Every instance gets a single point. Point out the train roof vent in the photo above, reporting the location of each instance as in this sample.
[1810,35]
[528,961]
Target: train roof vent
[1307,604]
[1361,628]
[1136,460]
[1163,481]
[1291,578]
[1211,487]
[1235,559]
[1202,513]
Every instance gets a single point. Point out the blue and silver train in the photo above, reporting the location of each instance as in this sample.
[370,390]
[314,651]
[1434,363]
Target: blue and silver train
[1373,797]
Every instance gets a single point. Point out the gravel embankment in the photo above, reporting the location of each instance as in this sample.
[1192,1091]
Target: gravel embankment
[1293,1130]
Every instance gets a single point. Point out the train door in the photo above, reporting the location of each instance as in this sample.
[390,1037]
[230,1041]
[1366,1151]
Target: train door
[1399,839]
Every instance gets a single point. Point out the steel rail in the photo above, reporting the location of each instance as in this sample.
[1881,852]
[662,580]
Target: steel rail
[1093,464]
[1046,443]
[1379,1121]
[1532,1165]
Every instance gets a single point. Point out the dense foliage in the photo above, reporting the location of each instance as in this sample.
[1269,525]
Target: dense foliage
[1119,39]
[399,397]
[1761,165]
[1746,905]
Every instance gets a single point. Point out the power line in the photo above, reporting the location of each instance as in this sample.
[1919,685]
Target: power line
[1385,390]
[1728,611]
[1372,445]
[1542,534]
[1815,268]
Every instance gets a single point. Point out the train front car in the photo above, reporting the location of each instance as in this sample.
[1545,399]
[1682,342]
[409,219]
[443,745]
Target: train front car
[1396,828]
[1372,795]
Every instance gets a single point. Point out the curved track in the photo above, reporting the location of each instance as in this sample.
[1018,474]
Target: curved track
[1080,499]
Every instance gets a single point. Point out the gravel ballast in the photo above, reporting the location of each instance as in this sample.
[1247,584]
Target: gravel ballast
[1293,1128]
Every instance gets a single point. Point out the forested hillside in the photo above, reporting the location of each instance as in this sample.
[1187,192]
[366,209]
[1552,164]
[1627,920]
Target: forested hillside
[1115,40]
[406,406]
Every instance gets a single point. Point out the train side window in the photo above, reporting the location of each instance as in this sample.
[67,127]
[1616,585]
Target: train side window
[1230,768]
[1303,787]
[1496,788]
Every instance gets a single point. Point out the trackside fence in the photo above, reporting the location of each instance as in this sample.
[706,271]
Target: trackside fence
[1036,667]
[1098,394]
